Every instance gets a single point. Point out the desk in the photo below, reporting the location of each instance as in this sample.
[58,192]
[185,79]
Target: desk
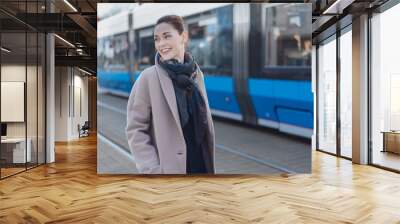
[391,141]
[15,148]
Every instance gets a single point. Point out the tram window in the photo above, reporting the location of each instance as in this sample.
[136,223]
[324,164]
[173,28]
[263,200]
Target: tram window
[146,51]
[201,46]
[287,38]
[210,41]
[113,52]
[100,54]
[121,49]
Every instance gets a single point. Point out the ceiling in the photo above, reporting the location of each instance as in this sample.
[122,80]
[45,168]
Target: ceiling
[330,15]
[76,21]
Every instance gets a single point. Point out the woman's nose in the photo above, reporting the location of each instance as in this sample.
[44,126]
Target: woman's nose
[161,43]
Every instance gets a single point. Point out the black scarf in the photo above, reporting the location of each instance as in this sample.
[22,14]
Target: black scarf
[188,96]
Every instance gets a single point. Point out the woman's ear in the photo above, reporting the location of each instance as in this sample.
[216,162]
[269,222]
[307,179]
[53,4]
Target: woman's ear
[185,36]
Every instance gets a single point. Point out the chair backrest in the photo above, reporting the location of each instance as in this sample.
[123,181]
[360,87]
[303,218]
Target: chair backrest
[86,125]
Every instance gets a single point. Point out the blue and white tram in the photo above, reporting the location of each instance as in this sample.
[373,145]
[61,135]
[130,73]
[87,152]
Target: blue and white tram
[256,58]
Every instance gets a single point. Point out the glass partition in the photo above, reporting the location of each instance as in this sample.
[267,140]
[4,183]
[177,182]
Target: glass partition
[327,96]
[41,109]
[346,92]
[385,89]
[13,105]
[22,88]
[31,97]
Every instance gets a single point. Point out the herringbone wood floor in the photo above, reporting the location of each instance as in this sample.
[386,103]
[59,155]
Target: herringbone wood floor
[70,191]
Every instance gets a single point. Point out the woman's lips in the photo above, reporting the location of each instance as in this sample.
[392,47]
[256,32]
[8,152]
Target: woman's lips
[165,51]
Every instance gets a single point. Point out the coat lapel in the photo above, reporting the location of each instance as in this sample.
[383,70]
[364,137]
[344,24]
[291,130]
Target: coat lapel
[169,94]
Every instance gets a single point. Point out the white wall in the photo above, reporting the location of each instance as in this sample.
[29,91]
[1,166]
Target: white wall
[61,103]
[80,94]
[82,82]
[14,72]
[71,87]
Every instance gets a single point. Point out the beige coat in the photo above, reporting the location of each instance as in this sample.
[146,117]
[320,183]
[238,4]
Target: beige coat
[153,128]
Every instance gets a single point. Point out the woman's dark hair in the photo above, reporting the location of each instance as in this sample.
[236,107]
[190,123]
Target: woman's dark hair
[173,20]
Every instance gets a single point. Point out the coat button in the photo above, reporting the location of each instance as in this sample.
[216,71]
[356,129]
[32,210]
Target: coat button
[180,153]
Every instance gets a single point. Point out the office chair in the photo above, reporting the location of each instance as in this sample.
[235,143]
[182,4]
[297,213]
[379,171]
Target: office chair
[84,130]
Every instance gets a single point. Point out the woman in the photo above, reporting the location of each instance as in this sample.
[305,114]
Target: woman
[169,125]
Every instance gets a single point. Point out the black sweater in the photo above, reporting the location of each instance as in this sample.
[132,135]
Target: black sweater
[194,154]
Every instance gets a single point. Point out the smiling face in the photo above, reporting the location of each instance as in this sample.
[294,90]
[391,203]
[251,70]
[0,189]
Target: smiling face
[169,43]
